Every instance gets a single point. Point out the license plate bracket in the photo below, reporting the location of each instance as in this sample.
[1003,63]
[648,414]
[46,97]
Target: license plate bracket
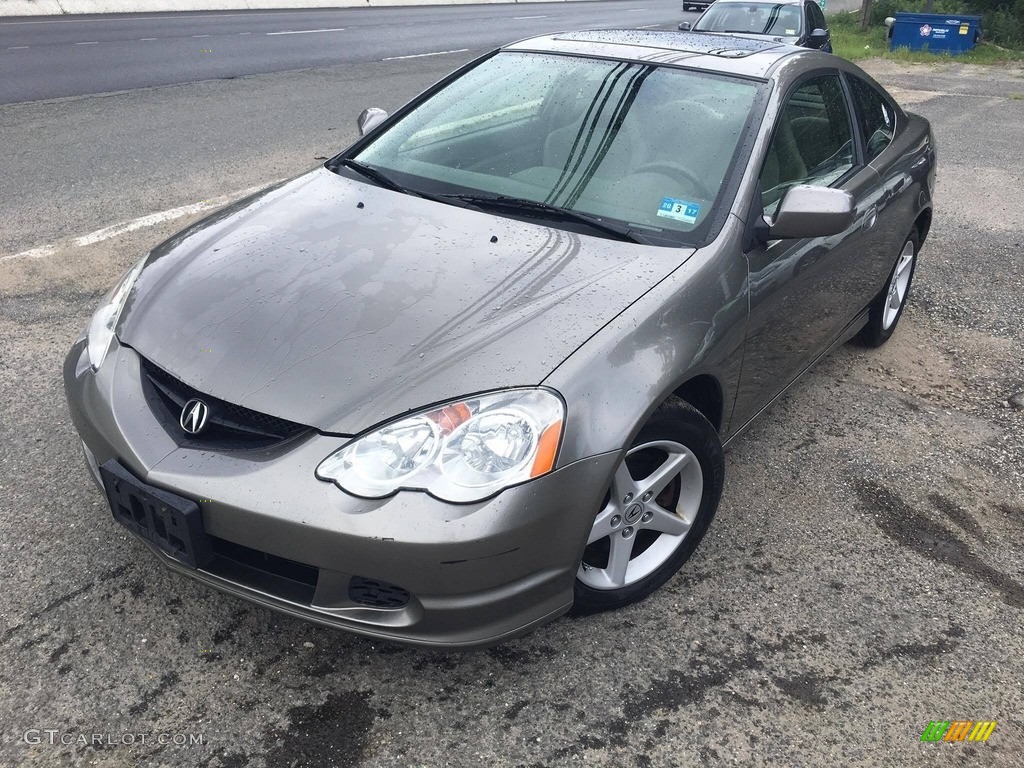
[172,523]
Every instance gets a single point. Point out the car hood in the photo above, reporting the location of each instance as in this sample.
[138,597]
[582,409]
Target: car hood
[337,304]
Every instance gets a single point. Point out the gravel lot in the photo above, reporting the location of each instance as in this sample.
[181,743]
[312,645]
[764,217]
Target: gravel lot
[865,573]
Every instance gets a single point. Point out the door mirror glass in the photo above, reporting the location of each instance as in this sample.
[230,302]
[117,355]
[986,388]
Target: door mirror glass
[818,37]
[369,119]
[808,211]
[684,26]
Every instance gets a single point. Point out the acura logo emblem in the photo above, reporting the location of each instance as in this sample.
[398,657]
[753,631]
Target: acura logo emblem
[193,416]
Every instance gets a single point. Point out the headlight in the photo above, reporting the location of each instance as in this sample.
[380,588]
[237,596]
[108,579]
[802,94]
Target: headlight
[463,451]
[101,328]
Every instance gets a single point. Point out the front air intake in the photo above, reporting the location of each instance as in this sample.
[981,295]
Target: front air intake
[378,594]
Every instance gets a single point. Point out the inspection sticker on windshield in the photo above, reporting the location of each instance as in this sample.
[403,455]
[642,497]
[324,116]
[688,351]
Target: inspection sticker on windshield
[680,210]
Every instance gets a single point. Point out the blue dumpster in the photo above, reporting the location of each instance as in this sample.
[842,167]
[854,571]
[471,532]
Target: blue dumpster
[937,33]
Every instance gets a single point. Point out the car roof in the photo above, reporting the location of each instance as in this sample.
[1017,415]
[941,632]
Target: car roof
[721,53]
[760,2]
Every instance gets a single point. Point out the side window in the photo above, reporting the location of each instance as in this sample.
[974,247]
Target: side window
[813,141]
[876,117]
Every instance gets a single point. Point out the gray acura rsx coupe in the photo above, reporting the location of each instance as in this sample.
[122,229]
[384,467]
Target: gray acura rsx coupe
[478,369]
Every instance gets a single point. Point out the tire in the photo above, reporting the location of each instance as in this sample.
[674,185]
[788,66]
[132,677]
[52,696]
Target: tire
[883,316]
[658,531]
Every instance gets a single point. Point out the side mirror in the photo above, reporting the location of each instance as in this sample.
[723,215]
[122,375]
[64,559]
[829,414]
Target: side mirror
[818,37]
[369,119]
[808,211]
[684,26]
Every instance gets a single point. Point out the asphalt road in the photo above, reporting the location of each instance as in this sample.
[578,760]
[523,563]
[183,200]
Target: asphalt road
[52,57]
[864,575]
[70,56]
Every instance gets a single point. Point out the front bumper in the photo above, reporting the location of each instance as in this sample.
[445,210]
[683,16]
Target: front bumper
[477,573]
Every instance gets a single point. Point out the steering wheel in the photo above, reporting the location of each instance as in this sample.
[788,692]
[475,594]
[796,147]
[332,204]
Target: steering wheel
[676,169]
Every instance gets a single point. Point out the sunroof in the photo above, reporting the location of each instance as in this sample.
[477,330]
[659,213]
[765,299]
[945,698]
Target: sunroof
[715,45]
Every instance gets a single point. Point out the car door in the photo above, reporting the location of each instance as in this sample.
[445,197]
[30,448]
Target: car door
[897,205]
[800,290]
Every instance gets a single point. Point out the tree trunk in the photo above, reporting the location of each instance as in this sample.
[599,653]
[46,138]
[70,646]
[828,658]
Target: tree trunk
[865,14]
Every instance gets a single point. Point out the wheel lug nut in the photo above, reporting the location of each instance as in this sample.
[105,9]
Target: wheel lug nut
[647,517]
[647,496]
[616,520]
[627,531]
[629,498]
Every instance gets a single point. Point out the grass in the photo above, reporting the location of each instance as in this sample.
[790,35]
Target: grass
[852,42]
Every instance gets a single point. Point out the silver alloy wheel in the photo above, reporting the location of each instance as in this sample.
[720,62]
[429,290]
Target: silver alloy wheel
[633,507]
[897,291]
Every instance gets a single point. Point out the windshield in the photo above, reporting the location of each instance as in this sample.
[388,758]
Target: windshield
[644,146]
[752,18]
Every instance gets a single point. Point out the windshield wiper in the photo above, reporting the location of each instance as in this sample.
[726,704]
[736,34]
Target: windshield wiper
[492,201]
[383,180]
[378,178]
[549,211]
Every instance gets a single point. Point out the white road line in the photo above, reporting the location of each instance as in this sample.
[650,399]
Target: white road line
[200,35]
[91,42]
[304,31]
[648,26]
[32,253]
[17,48]
[421,55]
[143,221]
[145,39]
[517,18]
[245,33]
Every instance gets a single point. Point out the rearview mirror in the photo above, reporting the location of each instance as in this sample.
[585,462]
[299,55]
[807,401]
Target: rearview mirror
[684,26]
[818,37]
[808,211]
[369,119]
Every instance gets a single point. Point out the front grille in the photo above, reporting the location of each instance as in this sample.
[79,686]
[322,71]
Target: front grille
[378,594]
[228,425]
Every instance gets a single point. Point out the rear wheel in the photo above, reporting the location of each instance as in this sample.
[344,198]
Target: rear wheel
[662,498]
[887,308]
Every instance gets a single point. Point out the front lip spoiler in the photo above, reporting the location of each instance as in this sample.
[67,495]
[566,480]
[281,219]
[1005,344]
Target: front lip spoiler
[305,613]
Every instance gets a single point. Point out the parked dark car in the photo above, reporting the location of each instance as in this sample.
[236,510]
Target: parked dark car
[797,22]
[479,368]
[697,5]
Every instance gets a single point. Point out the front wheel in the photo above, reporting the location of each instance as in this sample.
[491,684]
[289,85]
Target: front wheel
[662,499]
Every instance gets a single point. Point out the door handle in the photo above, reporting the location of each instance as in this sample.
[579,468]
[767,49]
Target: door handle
[870,217]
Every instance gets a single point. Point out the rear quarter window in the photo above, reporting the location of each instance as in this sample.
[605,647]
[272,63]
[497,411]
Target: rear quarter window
[875,116]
